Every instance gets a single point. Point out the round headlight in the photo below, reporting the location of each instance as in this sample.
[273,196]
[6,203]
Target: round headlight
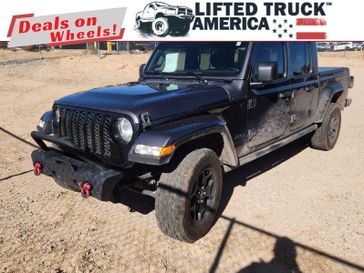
[124,129]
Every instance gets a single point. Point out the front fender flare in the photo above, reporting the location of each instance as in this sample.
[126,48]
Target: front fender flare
[182,132]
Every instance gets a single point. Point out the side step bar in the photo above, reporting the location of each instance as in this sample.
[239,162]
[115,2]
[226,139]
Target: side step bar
[266,150]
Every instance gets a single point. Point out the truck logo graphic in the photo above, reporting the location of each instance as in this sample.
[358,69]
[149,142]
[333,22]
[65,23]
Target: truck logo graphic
[163,19]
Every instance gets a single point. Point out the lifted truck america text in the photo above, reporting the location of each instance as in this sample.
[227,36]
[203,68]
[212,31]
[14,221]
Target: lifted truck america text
[197,110]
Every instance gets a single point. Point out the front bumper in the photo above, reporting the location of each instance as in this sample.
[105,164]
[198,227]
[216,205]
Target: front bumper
[73,174]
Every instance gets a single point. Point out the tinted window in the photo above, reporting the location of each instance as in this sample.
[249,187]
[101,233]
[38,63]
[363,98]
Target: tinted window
[215,59]
[269,52]
[300,58]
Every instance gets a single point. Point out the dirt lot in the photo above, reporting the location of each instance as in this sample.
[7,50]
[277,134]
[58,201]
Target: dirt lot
[294,208]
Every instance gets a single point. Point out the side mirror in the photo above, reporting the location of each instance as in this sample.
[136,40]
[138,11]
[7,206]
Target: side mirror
[267,72]
[141,71]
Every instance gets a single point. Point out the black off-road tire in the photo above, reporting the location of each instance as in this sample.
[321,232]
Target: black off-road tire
[177,192]
[160,26]
[326,136]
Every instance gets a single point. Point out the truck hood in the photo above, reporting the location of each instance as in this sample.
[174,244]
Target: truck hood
[163,101]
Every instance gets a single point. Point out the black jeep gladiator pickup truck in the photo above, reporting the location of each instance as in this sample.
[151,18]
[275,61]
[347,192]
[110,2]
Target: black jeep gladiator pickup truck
[197,110]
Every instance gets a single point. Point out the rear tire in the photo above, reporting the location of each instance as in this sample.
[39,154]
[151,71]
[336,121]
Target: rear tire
[326,136]
[187,199]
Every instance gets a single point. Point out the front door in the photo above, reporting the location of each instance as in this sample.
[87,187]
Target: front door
[268,103]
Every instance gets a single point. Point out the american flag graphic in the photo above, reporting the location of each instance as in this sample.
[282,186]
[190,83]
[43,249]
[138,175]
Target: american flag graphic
[300,29]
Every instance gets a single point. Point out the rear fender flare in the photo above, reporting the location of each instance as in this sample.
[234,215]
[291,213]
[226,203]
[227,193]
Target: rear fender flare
[325,99]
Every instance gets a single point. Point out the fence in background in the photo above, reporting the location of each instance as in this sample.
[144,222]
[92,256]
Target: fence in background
[96,46]
[145,46]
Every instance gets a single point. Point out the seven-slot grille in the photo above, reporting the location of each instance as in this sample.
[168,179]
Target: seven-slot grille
[88,130]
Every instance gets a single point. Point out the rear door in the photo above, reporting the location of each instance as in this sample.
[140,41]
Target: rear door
[268,103]
[304,85]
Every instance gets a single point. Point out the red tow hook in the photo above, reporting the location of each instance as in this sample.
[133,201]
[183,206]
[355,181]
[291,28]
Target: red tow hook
[85,190]
[37,168]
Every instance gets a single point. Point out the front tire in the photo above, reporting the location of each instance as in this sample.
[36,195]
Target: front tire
[160,26]
[326,136]
[187,199]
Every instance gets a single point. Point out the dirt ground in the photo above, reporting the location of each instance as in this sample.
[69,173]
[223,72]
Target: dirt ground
[296,207]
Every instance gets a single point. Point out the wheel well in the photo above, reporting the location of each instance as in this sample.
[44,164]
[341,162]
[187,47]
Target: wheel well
[159,14]
[214,142]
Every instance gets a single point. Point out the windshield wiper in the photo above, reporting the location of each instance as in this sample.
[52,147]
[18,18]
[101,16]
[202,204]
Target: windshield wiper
[189,73]
[201,79]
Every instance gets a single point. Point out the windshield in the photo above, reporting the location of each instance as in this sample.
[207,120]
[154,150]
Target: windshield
[211,59]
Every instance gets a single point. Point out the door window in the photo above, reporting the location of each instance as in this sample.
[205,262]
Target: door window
[300,58]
